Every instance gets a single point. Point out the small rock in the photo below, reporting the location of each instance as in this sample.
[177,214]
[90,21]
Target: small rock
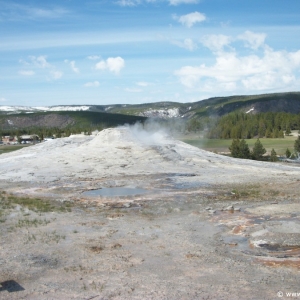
[127,205]
[208,208]
[237,209]
[211,211]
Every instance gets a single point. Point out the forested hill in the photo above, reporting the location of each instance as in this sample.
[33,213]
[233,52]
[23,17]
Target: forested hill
[222,117]
[218,106]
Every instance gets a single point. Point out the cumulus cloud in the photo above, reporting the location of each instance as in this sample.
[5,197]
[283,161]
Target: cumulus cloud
[112,64]
[188,44]
[26,73]
[92,84]
[255,72]
[253,40]
[40,65]
[40,61]
[191,19]
[217,42]
[73,66]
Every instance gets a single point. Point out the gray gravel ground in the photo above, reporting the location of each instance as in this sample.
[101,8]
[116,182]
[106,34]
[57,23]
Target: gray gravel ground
[209,227]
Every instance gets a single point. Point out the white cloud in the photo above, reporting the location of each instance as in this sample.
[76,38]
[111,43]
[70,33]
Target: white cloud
[40,65]
[177,2]
[232,72]
[190,19]
[216,43]
[253,40]
[72,65]
[92,84]
[40,61]
[113,64]
[188,44]
[26,73]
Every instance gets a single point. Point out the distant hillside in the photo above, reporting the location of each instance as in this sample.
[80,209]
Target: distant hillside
[219,106]
[64,119]
[66,115]
[283,102]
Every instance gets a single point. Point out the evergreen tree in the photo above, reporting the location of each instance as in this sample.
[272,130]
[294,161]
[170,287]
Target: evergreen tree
[239,149]
[273,156]
[297,145]
[288,153]
[268,133]
[235,148]
[280,134]
[244,150]
[288,131]
[258,150]
[275,133]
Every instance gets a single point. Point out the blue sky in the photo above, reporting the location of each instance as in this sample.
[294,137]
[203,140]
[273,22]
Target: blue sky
[137,51]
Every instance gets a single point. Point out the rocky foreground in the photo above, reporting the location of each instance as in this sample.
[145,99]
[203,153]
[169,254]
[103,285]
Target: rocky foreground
[208,227]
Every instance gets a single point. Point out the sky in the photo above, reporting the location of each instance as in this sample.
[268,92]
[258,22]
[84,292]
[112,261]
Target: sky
[84,52]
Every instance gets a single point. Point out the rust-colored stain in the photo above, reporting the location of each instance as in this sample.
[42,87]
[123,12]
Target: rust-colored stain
[281,263]
[238,229]
[277,250]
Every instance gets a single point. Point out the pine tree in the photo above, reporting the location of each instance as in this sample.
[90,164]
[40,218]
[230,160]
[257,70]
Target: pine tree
[273,156]
[244,150]
[297,145]
[288,131]
[235,148]
[280,134]
[258,150]
[288,153]
[239,149]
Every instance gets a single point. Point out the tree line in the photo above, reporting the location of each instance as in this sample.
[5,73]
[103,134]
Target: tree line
[237,125]
[240,149]
[43,132]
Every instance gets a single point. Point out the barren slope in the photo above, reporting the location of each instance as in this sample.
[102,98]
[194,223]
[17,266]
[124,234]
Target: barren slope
[209,226]
[129,151]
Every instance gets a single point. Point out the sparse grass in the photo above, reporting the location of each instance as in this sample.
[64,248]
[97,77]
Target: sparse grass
[52,237]
[246,192]
[10,148]
[31,223]
[34,204]
[45,237]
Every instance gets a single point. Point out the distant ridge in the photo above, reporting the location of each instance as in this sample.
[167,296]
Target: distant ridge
[119,114]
